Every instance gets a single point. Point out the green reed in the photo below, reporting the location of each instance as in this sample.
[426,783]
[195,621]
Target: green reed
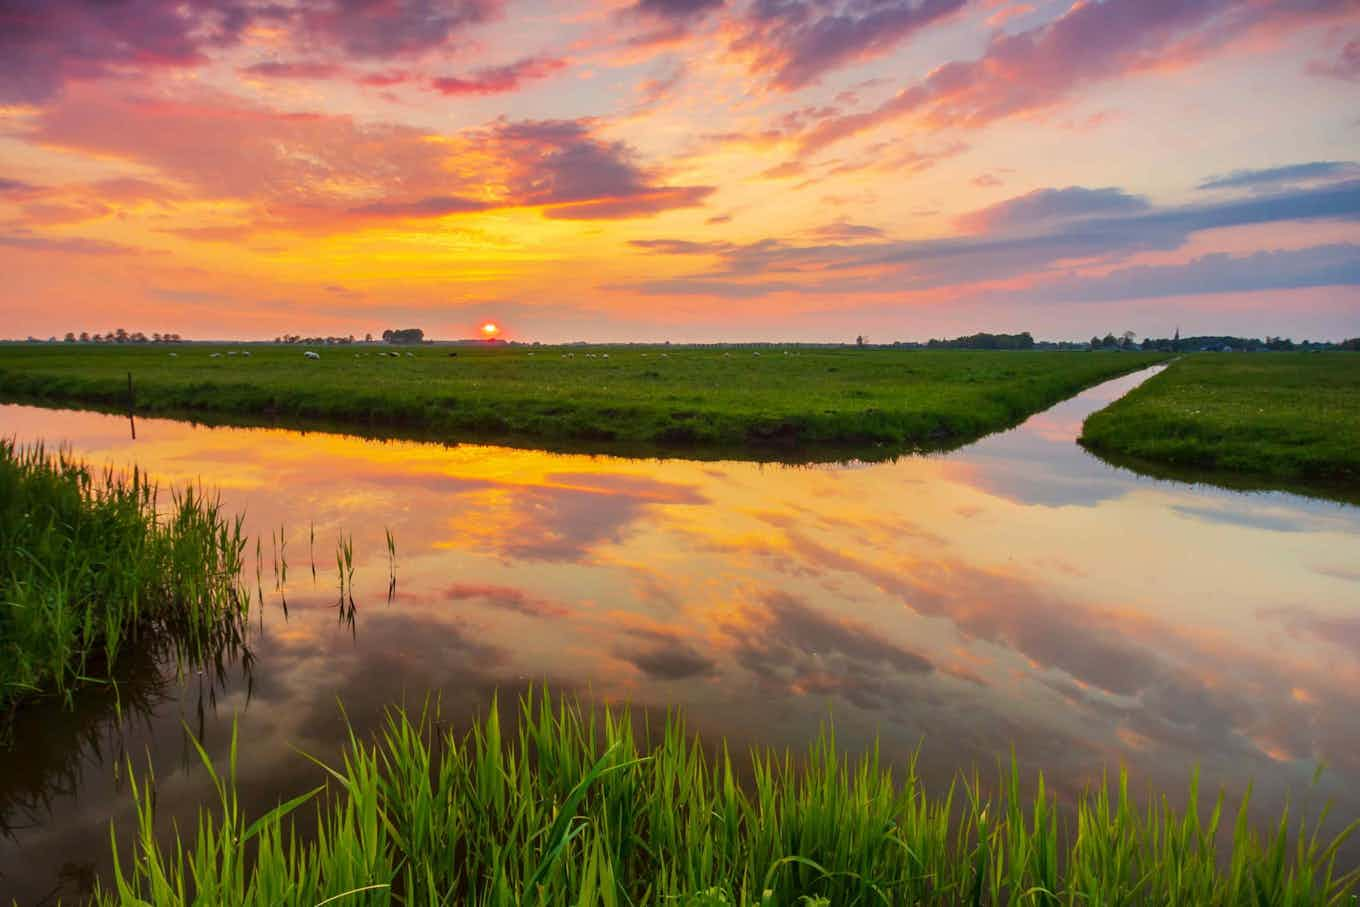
[89,564]
[577,806]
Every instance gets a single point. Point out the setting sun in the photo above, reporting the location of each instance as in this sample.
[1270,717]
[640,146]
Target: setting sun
[490,329]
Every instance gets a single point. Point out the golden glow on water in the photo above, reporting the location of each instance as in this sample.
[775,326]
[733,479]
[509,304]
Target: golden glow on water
[1017,592]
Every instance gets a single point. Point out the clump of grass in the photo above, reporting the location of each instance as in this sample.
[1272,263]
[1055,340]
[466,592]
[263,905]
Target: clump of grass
[89,564]
[577,806]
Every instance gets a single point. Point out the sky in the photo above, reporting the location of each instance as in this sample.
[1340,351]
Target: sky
[687,170]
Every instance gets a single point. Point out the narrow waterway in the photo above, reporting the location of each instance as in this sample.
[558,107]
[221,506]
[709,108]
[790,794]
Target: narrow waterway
[1016,593]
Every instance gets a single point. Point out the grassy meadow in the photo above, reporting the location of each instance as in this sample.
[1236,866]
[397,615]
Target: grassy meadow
[90,567]
[569,806]
[1287,420]
[794,401]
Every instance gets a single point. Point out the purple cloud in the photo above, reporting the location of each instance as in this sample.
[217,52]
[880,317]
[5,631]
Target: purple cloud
[799,41]
[292,69]
[1092,42]
[1274,177]
[1345,67]
[1031,245]
[1043,206]
[381,29]
[499,79]
[43,43]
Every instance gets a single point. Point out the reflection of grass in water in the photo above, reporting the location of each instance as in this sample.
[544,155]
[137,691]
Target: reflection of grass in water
[1267,420]
[88,567]
[55,746]
[570,808]
[391,566]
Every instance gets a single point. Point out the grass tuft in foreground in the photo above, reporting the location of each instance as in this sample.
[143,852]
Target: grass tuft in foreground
[1271,420]
[567,808]
[88,565]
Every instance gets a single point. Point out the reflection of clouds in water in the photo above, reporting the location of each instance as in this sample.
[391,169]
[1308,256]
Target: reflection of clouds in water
[954,598]
[1340,630]
[796,648]
[1350,574]
[1236,516]
[507,598]
[662,654]
[1030,479]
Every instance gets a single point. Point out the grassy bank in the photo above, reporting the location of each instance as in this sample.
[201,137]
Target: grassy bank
[1287,420]
[566,808]
[88,565]
[617,399]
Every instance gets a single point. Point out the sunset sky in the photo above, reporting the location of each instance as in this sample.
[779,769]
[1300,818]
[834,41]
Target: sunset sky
[680,169]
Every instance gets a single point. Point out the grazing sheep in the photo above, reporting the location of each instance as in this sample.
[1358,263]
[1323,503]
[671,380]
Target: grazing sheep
[410,355]
[174,355]
[757,353]
[310,355]
[604,355]
[246,353]
[231,352]
[214,355]
[453,355]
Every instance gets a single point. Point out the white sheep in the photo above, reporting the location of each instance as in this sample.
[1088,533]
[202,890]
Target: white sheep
[410,355]
[246,353]
[214,355]
[310,355]
[174,355]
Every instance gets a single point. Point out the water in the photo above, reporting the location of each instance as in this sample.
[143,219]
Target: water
[1015,593]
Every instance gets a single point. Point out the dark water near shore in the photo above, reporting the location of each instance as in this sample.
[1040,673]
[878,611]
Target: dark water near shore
[1015,593]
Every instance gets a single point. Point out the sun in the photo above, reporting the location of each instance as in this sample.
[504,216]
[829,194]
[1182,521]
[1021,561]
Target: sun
[491,329]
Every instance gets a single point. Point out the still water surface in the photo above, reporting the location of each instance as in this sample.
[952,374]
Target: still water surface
[1017,593]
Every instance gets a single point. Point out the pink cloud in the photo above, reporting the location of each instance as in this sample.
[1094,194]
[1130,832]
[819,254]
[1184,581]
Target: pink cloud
[1090,43]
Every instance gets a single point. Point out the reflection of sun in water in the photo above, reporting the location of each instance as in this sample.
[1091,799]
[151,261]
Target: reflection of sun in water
[490,329]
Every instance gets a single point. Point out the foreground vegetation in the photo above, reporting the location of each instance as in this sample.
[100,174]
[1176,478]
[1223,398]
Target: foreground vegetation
[568,809]
[1288,420]
[88,567]
[614,399]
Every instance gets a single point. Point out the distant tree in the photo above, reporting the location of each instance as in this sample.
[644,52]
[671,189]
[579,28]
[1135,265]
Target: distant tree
[1109,341]
[1095,342]
[368,338]
[406,335]
[84,336]
[985,341]
[859,341]
[70,337]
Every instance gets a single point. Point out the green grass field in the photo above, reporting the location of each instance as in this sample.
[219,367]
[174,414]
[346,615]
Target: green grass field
[625,400]
[89,567]
[573,807]
[1283,420]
